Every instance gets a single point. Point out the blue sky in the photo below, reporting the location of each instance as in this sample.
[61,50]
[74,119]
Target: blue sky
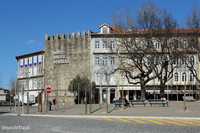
[23,23]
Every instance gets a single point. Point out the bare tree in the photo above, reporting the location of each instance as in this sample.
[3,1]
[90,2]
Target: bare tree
[134,56]
[149,17]
[192,51]
[166,52]
[140,60]
[193,21]
[13,87]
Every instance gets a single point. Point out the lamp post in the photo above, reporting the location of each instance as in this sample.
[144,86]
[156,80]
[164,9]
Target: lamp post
[184,102]
[27,83]
[18,100]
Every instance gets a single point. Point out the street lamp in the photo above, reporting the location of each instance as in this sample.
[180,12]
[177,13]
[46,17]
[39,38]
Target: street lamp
[185,107]
[27,83]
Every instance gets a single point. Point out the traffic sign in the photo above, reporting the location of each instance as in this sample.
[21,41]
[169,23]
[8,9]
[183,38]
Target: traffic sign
[48,90]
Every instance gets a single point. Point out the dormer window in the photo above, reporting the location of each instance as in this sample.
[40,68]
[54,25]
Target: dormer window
[105,29]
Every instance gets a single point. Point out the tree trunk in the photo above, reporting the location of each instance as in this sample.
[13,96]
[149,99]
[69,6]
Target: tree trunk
[162,90]
[143,91]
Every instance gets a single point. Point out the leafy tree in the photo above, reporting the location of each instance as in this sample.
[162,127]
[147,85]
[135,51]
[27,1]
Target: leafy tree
[81,86]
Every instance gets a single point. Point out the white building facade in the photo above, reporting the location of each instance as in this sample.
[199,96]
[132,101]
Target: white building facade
[30,76]
[104,61]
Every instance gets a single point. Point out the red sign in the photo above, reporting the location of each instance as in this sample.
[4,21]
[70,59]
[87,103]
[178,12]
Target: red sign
[48,90]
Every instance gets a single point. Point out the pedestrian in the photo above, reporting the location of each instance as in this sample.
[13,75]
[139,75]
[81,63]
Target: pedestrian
[54,104]
[50,104]
[126,104]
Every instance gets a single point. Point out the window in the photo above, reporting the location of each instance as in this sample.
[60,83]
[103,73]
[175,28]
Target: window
[35,60]
[96,44]
[104,30]
[156,44]
[176,76]
[112,60]
[26,62]
[112,44]
[40,59]
[176,43]
[183,60]
[184,76]
[21,62]
[105,44]
[30,61]
[40,69]
[192,60]
[185,44]
[157,60]
[97,77]
[104,61]
[191,77]
[35,84]
[175,61]
[97,60]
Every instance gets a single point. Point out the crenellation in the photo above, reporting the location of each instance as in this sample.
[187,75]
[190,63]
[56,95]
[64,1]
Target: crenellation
[68,36]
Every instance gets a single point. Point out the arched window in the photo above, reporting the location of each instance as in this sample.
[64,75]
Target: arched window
[184,76]
[176,76]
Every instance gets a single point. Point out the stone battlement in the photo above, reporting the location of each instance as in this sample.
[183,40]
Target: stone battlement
[74,35]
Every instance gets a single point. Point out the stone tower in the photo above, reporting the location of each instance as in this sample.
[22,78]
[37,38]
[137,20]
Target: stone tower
[66,56]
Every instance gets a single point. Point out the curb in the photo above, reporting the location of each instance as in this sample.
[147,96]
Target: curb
[103,116]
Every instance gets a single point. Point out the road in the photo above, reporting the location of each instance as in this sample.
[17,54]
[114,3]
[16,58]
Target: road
[30,124]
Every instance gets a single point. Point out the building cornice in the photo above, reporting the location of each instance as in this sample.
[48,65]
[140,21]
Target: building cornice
[30,54]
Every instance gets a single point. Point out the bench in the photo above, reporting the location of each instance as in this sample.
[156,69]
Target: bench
[118,103]
[138,102]
[161,102]
[188,98]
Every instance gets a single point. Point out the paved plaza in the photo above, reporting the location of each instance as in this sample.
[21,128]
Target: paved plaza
[22,124]
[174,109]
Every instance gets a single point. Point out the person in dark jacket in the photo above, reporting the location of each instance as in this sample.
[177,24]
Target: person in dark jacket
[50,105]
[54,104]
